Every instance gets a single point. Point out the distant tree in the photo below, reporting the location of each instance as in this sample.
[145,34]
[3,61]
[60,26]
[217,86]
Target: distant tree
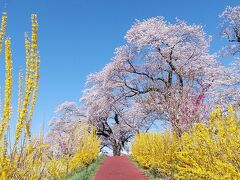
[63,129]
[230,28]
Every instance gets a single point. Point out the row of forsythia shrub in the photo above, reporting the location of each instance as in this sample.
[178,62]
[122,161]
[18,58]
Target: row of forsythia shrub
[156,152]
[34,160]
[85,151]
[207,151]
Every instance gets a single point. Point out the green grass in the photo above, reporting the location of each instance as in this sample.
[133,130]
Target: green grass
[86,173]
[151,174]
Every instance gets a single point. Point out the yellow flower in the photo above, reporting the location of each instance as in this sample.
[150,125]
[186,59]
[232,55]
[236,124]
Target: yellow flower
[3,29]
[207,151]
[8,90]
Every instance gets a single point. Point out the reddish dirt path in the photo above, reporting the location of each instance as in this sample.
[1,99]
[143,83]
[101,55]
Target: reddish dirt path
[118,168]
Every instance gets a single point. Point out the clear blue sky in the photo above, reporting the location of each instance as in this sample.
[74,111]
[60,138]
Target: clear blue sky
[78,37]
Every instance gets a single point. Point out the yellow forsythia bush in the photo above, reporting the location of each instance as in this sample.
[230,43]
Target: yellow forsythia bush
[33,161]
[207,151]
[212,150]
[156,151]
[86,149]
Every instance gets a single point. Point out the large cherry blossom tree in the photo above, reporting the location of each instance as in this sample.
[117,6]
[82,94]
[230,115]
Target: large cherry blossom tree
[163,73]
[164,68]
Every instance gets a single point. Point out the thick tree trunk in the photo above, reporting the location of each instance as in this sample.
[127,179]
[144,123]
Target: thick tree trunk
[116,149]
